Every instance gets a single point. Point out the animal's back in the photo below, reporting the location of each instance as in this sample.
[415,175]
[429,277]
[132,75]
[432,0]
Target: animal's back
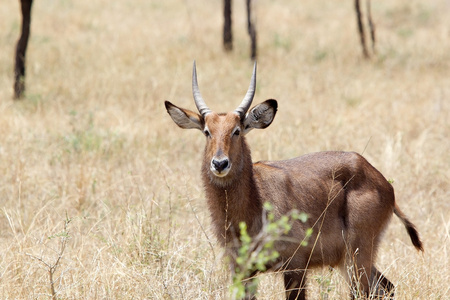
[344,196]
[321,177]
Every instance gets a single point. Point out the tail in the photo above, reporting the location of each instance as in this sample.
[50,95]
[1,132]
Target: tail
[413,234]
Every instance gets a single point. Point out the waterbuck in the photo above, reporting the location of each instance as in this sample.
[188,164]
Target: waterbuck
[348,201]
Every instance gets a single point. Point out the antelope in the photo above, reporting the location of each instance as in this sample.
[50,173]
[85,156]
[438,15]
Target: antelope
[342,191]
[21,49]
[228,35]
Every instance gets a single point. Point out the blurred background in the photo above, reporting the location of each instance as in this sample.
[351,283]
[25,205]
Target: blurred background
[100,192]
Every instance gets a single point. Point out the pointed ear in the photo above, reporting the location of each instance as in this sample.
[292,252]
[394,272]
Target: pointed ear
[261,115]
[184,118]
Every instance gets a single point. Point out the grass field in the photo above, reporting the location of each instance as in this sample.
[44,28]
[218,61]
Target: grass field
[101,190]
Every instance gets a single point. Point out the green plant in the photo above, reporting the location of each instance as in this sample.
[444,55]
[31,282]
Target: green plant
[51,267]
[325,285]
[256,253]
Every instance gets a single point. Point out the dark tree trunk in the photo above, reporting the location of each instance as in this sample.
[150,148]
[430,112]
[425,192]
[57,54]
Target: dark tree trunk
[227,31]
[371,26]
[361,28]
[251,30]
[22,43]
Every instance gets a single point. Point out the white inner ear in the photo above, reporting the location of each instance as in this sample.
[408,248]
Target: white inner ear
[262,115]
[249,123]
[182,120]
[259,117]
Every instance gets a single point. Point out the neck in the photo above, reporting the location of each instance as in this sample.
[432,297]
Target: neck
[234,202]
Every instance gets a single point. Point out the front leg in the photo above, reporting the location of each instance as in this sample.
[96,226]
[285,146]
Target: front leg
[243,281]
[251,286]
[294,283]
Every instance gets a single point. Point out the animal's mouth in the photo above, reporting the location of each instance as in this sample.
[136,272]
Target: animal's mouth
[220,166]
[220,172]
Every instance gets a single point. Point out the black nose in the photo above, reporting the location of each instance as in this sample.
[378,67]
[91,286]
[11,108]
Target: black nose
[220,165]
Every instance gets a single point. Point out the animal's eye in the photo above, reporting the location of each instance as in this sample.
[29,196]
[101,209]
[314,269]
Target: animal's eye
[207,133]
[237,132]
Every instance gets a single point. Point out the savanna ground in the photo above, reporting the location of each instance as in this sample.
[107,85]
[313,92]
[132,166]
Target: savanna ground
[99,188]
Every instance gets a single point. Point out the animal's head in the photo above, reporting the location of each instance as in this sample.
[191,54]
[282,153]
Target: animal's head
[225,149]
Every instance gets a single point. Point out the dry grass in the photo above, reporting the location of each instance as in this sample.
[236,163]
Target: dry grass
[92,141]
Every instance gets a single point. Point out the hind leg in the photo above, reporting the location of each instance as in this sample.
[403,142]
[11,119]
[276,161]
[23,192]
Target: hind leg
[294,283]
[366,282]
[357,269]
[381,287]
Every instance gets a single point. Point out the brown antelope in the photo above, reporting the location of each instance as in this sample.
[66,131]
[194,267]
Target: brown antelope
[341,191]
[251,28]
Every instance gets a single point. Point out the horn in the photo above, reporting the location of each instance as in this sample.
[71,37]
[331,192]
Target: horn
[199,102]
[245,104]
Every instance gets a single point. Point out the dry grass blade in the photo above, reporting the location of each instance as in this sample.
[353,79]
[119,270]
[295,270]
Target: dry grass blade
[92,138]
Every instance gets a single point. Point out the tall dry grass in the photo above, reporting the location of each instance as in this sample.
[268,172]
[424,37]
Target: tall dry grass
[92,143]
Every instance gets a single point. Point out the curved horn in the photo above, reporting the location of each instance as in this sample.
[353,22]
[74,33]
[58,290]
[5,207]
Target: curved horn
[199,102]
[245,104]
